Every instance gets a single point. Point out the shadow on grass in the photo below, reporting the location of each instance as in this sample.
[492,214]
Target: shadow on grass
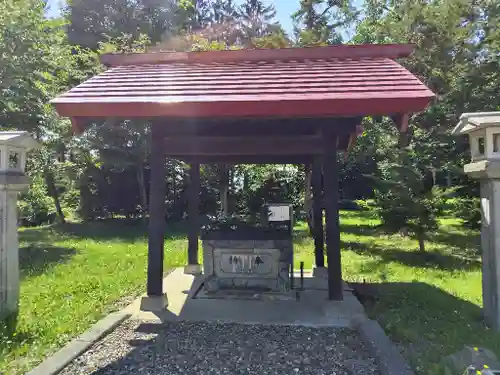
[415,258]
[361,230]
[36,258]
[117,229]
[429,322]
[10,337]
[10,341]
[468,241]
[301,235]
[40,234]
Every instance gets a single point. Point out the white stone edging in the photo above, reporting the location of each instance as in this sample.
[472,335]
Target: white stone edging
[58,361]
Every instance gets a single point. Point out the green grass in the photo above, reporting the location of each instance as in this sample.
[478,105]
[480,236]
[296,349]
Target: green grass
[72,276]
[429,304]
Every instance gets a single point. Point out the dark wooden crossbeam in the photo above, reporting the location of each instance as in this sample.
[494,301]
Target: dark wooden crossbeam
[244,159]
[257,127]
[243,146]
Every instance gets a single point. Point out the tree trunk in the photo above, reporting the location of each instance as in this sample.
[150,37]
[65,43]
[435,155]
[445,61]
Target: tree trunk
[404,139]
[142,189]
[174,184]
[62,153]
[85,197]
[421,242]
[449,181]
[308,203]
[52,190]
[224,189]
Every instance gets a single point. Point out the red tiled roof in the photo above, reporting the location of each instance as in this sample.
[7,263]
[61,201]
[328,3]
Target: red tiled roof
[305,82]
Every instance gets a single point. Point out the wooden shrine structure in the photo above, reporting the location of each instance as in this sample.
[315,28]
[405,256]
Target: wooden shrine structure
[290,106]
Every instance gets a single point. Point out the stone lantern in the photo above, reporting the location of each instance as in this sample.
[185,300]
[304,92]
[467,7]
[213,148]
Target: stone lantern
[483,129]
[13,148]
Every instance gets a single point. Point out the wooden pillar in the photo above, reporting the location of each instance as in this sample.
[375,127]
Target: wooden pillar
[331,199]
[156,215]
[317,177]
[193,213]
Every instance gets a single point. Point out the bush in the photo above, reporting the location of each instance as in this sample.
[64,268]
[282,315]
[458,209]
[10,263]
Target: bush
[467,209]
[365,205]
[35,206]
[347,204]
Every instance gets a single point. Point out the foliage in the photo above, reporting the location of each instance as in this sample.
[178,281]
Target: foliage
[231,223]
[35,64]
[256,19]
[35,206]
[403,200]
[258,184]
[94,21]
[318,22]
[468,209]
[456,43]
[455,56]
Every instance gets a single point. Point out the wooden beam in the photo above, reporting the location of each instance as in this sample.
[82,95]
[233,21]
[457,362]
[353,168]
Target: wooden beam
[239,127]
[213,146]
[193,213]
[156,216]
[331,199]
[242,127]
[245,159]
[319,246]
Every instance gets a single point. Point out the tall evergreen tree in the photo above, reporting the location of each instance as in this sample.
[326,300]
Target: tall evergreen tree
[95,21]
[456,55]
[257,20]
[224,11]
[321,21]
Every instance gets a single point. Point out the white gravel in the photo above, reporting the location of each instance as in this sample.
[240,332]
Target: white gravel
[148,348]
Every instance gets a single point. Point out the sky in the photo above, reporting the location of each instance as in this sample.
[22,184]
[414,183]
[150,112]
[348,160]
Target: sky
[284,10]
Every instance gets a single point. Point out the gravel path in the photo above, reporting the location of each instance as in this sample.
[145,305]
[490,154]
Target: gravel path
[147,348]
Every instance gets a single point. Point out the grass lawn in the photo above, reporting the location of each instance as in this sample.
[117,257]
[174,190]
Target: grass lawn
[75,274]
[429,304]
[72,276]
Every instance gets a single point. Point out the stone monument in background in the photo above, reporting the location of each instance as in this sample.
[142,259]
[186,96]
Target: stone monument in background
[14,146]
[483,129]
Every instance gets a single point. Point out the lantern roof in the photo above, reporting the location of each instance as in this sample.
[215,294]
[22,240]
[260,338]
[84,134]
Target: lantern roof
[20,139]
[470,122]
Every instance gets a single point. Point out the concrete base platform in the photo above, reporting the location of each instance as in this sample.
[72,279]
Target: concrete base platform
[311,309]
[321,272]
[154,303]
[193,269]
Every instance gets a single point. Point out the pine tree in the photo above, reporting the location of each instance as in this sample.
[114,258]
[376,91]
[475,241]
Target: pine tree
[257,20]
[320,21]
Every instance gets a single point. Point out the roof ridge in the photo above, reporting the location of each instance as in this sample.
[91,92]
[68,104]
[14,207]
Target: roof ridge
[348,51]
